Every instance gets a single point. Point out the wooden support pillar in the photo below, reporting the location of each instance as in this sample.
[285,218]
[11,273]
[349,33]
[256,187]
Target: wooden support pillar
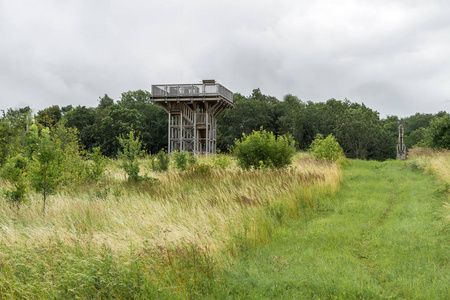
[181,129]
[195,130]
[169,134]
[207,128]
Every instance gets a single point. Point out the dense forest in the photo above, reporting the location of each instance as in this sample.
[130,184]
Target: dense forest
[358,129]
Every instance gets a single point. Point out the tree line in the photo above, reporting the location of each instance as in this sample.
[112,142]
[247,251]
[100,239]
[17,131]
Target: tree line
[358,129]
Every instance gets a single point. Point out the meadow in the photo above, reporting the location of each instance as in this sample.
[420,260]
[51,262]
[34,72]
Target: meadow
[167,237]
[436,162]
[384,235]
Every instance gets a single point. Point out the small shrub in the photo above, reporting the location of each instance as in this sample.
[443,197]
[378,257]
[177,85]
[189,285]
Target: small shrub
[326,149]
[262,149]
[130,153]
[96,169]
[160,162]
[182,160]
[46,171]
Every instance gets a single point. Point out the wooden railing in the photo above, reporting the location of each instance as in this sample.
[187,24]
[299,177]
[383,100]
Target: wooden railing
[191,90]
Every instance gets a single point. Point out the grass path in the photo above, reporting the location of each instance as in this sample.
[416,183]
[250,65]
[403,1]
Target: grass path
[381,237]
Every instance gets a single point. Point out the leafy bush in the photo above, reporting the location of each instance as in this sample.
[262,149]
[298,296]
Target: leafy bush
[15,170]
[326,148]
[261,149]
[160,162]
[130,153]
[182,160]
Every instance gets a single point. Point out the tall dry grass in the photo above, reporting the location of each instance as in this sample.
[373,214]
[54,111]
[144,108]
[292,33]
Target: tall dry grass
[212,210]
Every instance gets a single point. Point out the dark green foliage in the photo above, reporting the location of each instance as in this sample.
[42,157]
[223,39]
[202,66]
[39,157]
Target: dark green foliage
[130,154]
[358,132]
[182,160]
[160,162]
[326,148]
[262,149]
[416,121]
[49,117]
[418,138]
[248,114]
[83,119]
[134,110]
[440,132]
[357,128]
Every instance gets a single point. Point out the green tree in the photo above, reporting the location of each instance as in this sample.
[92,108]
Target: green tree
[46,166]
[418,138]
[48,117]
[358,132]
[134,110]
[440,132]
[83,119]
[249,113]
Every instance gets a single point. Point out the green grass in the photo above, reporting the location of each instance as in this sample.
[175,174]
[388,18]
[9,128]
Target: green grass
[381,237]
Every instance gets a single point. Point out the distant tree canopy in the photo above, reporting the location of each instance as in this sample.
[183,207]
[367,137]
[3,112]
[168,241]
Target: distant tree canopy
[358,129]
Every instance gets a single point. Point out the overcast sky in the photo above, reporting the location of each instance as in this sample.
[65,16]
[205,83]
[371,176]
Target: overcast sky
[394,55]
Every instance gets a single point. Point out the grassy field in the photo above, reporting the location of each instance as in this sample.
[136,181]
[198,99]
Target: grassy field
[168,238]
[437,163]
[383,237]
[372,230]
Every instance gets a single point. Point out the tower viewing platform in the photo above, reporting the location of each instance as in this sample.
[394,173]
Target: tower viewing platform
[193,110]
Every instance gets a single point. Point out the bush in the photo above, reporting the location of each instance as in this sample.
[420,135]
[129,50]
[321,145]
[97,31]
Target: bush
[182,160]
[130,153]
[15,170]
[262,149]
[161,161]
[326,149]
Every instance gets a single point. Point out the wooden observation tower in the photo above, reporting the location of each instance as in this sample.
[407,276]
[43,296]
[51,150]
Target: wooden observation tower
[193,110]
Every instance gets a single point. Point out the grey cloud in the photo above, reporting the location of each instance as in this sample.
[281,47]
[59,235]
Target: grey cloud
[389,55]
